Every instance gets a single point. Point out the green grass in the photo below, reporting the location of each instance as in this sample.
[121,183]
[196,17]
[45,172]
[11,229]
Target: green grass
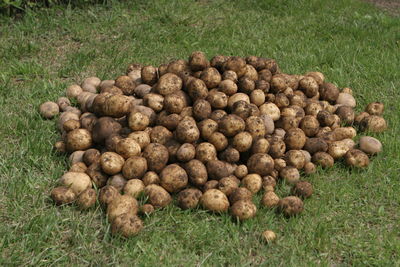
[353,217]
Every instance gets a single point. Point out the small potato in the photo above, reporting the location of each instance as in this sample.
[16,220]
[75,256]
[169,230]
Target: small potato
[240,193]
[230,155]
[76,181]
[242,109]
[314,145]
[73,91]
[243,209]
[310,125]
[161,135]
[279,164]
[346,99]
[122,204]
[268,123]
[197,89]
[59,146]
[151,178]
[309,168]
[291,206]
[138,121]
[206,152]
[236,64]
[302,189]
[356,158]
[117,106]
[375,108]
[127,148]
[217,100]
[228,184]
[237,97]
[174,103]
[134,188]
[295,158]
[246,85]
[214,200]
[158,196]
[358,118]
[241,171]
[255,126]
[290,175]
[207,128]
[211,184]
[270,199]
[141,137]
[189,198]
[153,101]
[228,87]
[103,128]
[370,145]
[126,84]
[346,114]
[126,225]
[337,149]
[229,75]
[62,195]
[187,131]
[277,147]
[107,194]
[269,236]
[201,109]
[49,109]
[218,140]
[295,139]
[134,167]
[210,77]
[198,61]
[323,159]
[149,75]
[344,133]
[156,156]
[99,178]
[168,83]
[242,141]
[281,100]
[118,181]
[253,182]
[278,83]
[76,156]
[91,156]
[196,172]
[186,152]
[218,169]
[231,125]
[173,178]
[268,183]
[78,139]
[260,163]
[329,92]
[309,86]
[78,167]
[147,209]
[271,110]
[87,199]
[111,162]
[373,124]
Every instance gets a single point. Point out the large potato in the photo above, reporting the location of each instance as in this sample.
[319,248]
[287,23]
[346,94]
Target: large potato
[215,201]
[291,205]
[158,196]
[173,178]
[157,156]
[261,164]
[187,131]
[134,188]
[134,167]
[168,83]
[120,205]
[76,181]
[197,172]
[62,195]
[189,198]
[78,139]
[231,125]
[111,162]
[127,225]
[243,209]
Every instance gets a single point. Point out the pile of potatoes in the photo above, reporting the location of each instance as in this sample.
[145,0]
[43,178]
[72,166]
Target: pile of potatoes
[209,133]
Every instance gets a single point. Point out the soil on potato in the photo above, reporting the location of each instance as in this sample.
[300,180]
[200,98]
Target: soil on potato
[392,6]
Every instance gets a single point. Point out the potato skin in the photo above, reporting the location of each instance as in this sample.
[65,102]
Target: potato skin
[62,195]
[290,174]
[158,196]
[329,92]
[189,198]
[228,184]
[187,131]
[78,139]
[157,156]
[87,199]
[291,206]
[122,204]
[196,172]
[240,193]
[370,145]
[243,209]
[49,109]
[323,159]
[127,225]
[111,162]
[134,188]
[374,124]
[253,182]
[215,201]
[168,83]
[302,189]
[261,164]
[206,152]
[76,181]
[103,128]
[127,148]
[173,178]
[231,125]
[269,199]
[356,158]
[295,139]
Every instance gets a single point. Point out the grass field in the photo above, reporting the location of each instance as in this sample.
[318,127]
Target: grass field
[353,217]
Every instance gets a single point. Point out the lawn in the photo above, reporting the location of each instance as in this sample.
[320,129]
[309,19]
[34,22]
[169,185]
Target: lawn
[353,217]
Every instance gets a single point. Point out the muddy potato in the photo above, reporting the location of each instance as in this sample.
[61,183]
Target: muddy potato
[302,189]
[170,121]
[217,100]
[118,181]
[103,128]
[290,175]
[230,75]
[260,163]
[260,145]
[127,148]
[141,137]
[138,121]
[142,90]
[344,133]
[375,108]
[230,155]
[174,103]
[277,147]
[189,198]
[309,168]
[307,155]
[346,114]
[278,83]
[207,127]
[117,106]
[253,182]
[90,156]
[246,85]
[173,178]
[231,125]
[149,75]
[158,196]
[268,183]
[315,144]
[242,141]
[295,139]
[268,236]
[134,167]
[217,115]
[210,77]
[313,108]
[134,188]
[228,184]
[359,117]
[218,61]
[112,141]
[73,91]
[291,205]
[211,184]
[241,171]
[201,109]
[59,146]
[281,100]
[106,84]
[242,109]
[370,145]
[99,178]
[126,84]
[323,159]
[63,103]
[329,92]
[271,110]
[255,126]
[156,156]
[356,158]
[122,204]
[88,120]
[62,195]
[240,193]
[78,139]
[251,73]
[310,125]
[86,199]
[107,194]
[151,177]
[111,162]
[154,101]
[218,169]
[78,167]
[186,152]
[228,86]
[309,86]
[76,181]
[268,123]
[147,209]
[338,149]
[161,135]
[214,201]
[218,140]
[295,158]
[374,124]
[127,225]
[270,199]
[198,61]
[197,89]
[187,131]
[279,164]
[243,209]
[206,152]
[168,83]
[236,64]
[76,156]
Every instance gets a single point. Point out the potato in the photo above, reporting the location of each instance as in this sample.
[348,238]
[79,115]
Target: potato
[78,139]
[291,206]
[255,126]
[49,109]
[76,181]
[309,86]
[127,148]
[230,155]
[117,106]
[278,83]
[147,209]
[140,137]
[158,196]
[323,159]
[138,121]
[198,61]
[122,204]
[103,128]
[228,184]
[134,188]
[373,124]
[126,225]
[62,195]
[174,103]
[243,209]
[260,163]
[279,164]
[309,168]
[236,64]
[370,145]
[358,118]
[206,152]
[78,167]
[241,171]
[76,156]
[218,140]
[356,158]
[295,158]
[277,147]
[290,175]
[111,162]
[281,100]
[242,141]
[295,139]
[187,131]
[237,97]
[173,178]
[211,184]
[217,100]
[253,182]
[118,181]
[210,77]
[149,75]
[268,183]
[246,85]
[151,177]
[73,91]
[201,109]
[346,114]
[338,149]
[240,193]
[218,169]
[242,109]
[186,152]
[346,99]
[196,172]
[59,146]
[189,198]
[98,177]
[269,200]
[375,108]
[231,125]
[313,108]
[87,199]
[63,103]
[257,97]
[197,89]
[228,86]
[134,167]
[268,236]
[161,135]
[126,84]
[156,156]
[207,127]
[168,83]
[214,201]
[91,156]
[71,125]
[271,110]
[309,125]
[314,145]
[329,92]
[107,194]
[302,189]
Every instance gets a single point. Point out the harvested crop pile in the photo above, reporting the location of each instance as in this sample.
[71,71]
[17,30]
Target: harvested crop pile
[206,133]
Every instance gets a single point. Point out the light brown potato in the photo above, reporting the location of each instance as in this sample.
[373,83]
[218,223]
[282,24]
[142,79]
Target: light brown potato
[309,168]
[268,183]
[309,86]
[103,128]
[218,169]
[278,83]
[187,131]
[78,167]
[99,178]
[151,177]
[211,184]
[218,140]
[373,124]
[236,64]
[217,100]
[126,225]
[196,172]
[241,171]
[127,148]
[76,156]
[277,147]
[73,91]
[186,152]
[156,156]
[261,145]
[291,206]
[76,181]
[134,188]
[375,108]
[126,84]
[228,86]
[214,201]
[149,75]
[134,167]
[228,184]
[107,194]
[237,97]
[197,89]
[240,193]
[206,152]
[207,127]
[78,139]
[295,139]
[118,181]
[230,155]
[290,175]
[147,209]
[231,125]
[229,75]
[329,92]
[370,145]
[86,199]
[198,61]
[174,103]
[122,204]
[346,99]
[260,163]
[168,83]
[243,209]
[279,164]
[242,109]
[310,125]
[111,162]
[314,145]
[138,121]
[356,158]
[62,195]
[140,137]
[189,198]
[271,110]
[358,118]
[158,196]
[302,189]
[210,77]
[268,236]
[253,182]
[246,85]
[173,178]
[161,135]
[295,158]
[91,156]
[255,126]
[338,149]
[270,199]
[201,109]
[242,141]
[323,159]
[117,106]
